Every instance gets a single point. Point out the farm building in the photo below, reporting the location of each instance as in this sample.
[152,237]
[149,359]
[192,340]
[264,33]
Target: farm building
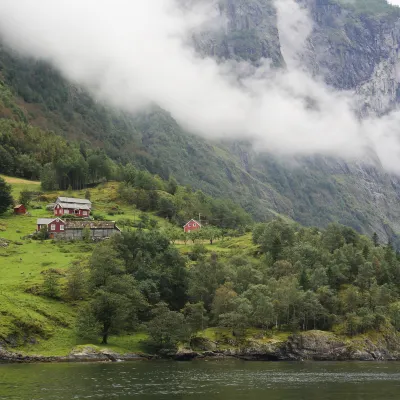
[54,225]
[19,209]
[192,225]
[73,206]
[71,230]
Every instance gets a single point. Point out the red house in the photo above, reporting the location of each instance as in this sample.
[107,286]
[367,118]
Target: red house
[192,225]
[19,209]
[54,225]
[70,205]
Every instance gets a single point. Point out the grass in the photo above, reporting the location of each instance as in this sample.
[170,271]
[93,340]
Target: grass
[49,324]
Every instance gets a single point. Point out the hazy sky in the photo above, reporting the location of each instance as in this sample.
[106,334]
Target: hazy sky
[132,54]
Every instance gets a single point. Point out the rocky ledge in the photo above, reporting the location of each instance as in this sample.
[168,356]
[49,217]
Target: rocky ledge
[85,354]
[312,345]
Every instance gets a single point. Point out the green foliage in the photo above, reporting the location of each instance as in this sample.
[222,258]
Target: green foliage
[6,200]
[76,282]
[25,197]
[86,234]
[115,298]
[167,328]
[51,284]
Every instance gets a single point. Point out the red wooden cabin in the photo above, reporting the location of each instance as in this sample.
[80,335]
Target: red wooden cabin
[19,209]
[192,225]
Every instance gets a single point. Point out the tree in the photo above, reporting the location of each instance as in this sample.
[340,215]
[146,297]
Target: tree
[167,328]
[172,185]
[116,299]
[375,239]
[43,234]
[48,177]
[195,317]
[6,200]
[51,285]
[238,319]
[76,282]
[223,299]
[210,233]
[25,197]
[86,234]
[87,194]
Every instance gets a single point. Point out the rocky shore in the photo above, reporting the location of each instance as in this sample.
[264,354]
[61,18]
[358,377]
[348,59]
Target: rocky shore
[312,346]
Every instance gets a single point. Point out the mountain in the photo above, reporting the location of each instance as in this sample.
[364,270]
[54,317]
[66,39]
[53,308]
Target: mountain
[353,46]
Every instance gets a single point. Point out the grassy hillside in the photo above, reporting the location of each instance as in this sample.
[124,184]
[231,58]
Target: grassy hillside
[50,324]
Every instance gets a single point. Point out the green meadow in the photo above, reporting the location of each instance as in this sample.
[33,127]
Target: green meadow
[24,312]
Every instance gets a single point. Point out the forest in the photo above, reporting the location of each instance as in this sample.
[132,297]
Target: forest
[293,279]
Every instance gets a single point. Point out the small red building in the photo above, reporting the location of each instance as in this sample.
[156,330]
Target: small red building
[71,206]
[54,225]
[192,225]
[19,209]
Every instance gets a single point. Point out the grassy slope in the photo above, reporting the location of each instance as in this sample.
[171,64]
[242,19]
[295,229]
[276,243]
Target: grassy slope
[51,322]
[22,262]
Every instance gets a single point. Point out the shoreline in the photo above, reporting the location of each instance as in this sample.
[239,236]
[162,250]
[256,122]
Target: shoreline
[306,346]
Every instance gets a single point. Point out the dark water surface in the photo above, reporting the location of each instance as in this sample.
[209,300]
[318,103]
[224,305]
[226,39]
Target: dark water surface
[212,380]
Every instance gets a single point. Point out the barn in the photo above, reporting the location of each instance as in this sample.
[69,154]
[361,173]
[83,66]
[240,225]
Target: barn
[192,225]
[19,209]
[72,206]
[73,230]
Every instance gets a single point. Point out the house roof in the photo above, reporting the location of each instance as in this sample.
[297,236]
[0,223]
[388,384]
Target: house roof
[47,221]
[73,200]
[79,206]
[192,220]
[91,225]
[18,206]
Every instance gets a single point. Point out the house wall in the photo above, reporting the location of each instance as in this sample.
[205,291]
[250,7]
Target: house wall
[21,210]
[191,226]
[57,227]
[71,211]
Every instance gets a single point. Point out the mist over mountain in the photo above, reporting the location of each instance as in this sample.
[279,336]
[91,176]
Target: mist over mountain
[287,107]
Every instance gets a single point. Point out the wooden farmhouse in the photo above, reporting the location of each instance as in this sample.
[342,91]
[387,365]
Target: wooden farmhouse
[19,209]
[69,205]
[73,230]
[192,225]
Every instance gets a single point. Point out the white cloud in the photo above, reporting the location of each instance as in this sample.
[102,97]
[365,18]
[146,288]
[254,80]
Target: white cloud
[132,54]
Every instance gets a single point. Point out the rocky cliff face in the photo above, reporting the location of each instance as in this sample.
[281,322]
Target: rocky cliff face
[353,50]
[357,52]
[250,32]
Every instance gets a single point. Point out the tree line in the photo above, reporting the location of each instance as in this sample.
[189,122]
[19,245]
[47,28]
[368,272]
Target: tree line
[295,278]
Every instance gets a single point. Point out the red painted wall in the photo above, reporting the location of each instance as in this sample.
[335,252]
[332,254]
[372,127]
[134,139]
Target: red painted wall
[57,227]
[191,226]
[21,210]
[60,211]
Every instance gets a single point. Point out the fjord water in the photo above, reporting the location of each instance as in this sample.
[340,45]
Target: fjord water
[212,380]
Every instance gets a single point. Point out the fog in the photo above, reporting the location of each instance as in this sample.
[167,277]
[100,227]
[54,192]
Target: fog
[132,54]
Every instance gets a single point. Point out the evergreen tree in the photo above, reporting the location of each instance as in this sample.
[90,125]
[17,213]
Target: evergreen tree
[6,200]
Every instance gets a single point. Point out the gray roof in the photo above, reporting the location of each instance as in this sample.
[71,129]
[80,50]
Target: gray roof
[79,206]
[73,200]
[45,221]
[90,224]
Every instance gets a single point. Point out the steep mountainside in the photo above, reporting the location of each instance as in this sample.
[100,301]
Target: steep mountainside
[352,46]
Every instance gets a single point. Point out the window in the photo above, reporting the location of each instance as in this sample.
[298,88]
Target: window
[85,213]
[61,227]
[66,211]
[53,227]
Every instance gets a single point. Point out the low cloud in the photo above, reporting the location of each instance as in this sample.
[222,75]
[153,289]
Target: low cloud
[133,54]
